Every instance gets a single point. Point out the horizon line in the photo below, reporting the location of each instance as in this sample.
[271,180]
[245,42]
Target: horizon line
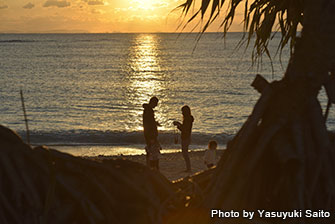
[118,32]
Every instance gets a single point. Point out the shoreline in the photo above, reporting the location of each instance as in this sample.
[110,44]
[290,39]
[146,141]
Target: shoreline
[120,150]
[172,165]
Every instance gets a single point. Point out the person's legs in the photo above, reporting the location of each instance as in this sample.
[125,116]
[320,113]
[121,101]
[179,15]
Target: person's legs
[151,163]
[184,149]
[147,142]
[147,158]
[154,164]
[157,164]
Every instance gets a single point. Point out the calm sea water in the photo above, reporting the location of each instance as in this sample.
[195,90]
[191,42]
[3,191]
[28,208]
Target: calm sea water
[84,89]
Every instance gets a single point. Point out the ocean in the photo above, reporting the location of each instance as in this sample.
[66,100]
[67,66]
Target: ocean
[84,92]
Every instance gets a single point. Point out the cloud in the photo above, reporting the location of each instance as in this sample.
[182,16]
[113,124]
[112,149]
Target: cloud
[95,11]
[3,6]
[160,5]
[29,6]
[95,2]
[56,3]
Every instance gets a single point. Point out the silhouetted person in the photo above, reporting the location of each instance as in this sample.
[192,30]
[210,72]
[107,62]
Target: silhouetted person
[210,154]
[149,123]
[186,130]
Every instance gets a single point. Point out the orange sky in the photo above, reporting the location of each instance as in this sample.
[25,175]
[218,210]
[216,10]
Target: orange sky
[93,16]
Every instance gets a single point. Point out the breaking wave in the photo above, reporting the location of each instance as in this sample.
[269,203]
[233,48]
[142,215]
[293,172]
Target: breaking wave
[95,137]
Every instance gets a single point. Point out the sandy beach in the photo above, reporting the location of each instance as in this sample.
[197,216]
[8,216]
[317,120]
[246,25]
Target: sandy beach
[172,165]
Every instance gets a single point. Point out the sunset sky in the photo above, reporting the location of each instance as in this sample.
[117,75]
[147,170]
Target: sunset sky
[93,16]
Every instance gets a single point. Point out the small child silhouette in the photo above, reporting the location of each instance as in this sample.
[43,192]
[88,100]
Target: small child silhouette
[210,154]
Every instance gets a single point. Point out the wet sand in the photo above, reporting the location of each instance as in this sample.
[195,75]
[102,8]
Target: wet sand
[172,165]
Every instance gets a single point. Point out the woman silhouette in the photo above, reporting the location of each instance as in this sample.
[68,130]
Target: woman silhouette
[186,130]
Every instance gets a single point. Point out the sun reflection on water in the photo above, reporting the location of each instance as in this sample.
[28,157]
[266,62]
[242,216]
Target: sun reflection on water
[146,78]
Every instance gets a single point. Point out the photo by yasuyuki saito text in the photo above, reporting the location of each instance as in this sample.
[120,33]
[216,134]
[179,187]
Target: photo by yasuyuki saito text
[267,214]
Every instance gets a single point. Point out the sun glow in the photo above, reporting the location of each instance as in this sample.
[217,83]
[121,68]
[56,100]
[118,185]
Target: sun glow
[146,4]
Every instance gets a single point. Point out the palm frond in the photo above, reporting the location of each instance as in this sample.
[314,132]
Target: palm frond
[260,19]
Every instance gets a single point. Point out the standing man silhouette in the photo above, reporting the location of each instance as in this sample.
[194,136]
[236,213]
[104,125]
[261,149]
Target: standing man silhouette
[149,123]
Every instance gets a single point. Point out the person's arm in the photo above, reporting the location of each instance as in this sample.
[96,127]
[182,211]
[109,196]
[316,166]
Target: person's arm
[178,124]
